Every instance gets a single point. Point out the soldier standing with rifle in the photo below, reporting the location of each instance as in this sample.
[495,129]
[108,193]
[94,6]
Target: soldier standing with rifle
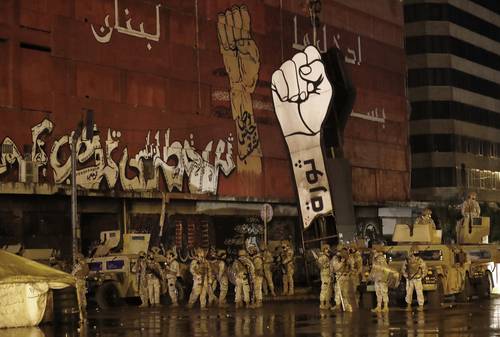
[199,270]
[258,276]
[80,272]
[268,260]
[288,263]
[326,278]
[414,269]
[340,266]
[142,283]
[379,275]
[242,287]
[172,272]
[153,275]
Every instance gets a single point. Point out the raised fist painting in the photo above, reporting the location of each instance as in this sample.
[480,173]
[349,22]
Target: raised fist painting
[302,95]
[241,60]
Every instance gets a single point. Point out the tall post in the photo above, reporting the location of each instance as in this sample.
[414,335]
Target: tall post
[265,230]
[74,207]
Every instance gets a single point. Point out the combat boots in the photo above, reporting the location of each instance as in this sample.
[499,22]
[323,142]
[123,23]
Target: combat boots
[378,308]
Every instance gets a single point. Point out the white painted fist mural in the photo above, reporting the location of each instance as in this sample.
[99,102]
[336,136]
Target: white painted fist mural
[302,95]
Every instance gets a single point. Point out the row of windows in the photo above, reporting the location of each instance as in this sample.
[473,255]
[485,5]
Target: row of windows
[492,5]
[454,110]
[438,44]
[453,143]
[447,177]
[433,177]
[446,12]
[453,77]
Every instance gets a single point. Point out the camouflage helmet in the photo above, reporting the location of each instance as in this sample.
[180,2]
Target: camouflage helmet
[325,247]
[79,257]
[413,250]
[142,254]
[242,252]
[472,195]
[171,253]
[221,253]
[156,250]
[427,211]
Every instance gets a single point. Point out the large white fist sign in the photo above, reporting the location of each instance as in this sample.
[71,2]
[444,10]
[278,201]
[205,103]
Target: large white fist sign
[302,94]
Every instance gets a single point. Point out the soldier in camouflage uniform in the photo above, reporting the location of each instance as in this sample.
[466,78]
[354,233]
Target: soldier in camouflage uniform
[153,275]
[355,261]
[142,283]
[379,275]
[199,270]
[268,260]
[326,277]
[288,264]
[258,276]
[240,269]
[414,269]
[341,267]
[171,274]
[80,272]
[222,278]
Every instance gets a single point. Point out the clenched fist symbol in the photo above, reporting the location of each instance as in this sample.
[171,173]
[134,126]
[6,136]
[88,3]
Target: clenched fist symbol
[238,49]
[301,93]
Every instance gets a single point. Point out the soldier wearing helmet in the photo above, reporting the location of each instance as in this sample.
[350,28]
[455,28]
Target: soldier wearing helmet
[142,283]
[355,261]
[199,270]
[288,263]
[80,272]
[258,275]
[153,275]
[379,274]
[221,276]
[326,278]
[172,272]
[426,218]
[341,267]
[268,260]
[414,269]
[242,267]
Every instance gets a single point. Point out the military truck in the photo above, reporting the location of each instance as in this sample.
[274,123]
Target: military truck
[111,278]
[459,269]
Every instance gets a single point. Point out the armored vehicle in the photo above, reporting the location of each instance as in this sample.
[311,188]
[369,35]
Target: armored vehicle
[460,269]
[111,278]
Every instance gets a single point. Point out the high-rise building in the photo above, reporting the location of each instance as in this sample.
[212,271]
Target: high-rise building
[453,59]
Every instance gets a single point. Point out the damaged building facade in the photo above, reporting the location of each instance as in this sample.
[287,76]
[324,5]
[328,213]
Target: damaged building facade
[169,103]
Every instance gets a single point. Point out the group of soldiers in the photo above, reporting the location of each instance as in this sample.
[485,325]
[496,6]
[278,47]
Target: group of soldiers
[251,272]
[342,272]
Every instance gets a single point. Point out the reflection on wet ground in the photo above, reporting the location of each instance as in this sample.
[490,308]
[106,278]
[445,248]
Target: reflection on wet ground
[299,319]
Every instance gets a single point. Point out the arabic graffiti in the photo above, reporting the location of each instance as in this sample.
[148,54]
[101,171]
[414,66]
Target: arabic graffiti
[11,155]
[107,30]
[353,55]
[171,161]
[241,60]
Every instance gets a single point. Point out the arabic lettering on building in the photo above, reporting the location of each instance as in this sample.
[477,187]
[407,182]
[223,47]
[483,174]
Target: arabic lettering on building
[159,159]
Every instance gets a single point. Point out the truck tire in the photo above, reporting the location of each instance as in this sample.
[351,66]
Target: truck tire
[466,294]
[484,289]
[435,298]
[107,296]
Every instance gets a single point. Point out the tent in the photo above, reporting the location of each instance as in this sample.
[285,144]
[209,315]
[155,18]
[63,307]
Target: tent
[24,289]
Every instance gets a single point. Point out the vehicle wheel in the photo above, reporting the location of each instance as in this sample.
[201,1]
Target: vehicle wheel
[466,294]
[107,296]
[435,298]
[484,290]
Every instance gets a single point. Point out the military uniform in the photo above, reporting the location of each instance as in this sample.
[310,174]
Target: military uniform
[355,261]
[80,272]
[340,266]
[414,269]
[326,277]
[268,260]
[142,282]
[258,276]
[240,268]
[222,277]
[287,260]
[171,274]
[199,270]
[153,276]
[379,274]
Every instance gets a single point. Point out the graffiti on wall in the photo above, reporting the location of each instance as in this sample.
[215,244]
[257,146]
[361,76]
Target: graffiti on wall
[103,34]
[241,60]
[158,159]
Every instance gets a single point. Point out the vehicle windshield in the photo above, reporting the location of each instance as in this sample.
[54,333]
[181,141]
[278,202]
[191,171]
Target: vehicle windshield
[395,255]
[431,255]
[479,254]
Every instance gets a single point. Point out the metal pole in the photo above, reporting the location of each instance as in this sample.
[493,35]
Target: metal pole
[265,229]
[74,214]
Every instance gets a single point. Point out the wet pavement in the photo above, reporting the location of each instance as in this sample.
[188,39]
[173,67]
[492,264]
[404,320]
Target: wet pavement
[479,318]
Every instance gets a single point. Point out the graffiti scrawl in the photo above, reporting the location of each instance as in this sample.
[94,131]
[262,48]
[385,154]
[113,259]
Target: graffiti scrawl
[172,162]
[241,60]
